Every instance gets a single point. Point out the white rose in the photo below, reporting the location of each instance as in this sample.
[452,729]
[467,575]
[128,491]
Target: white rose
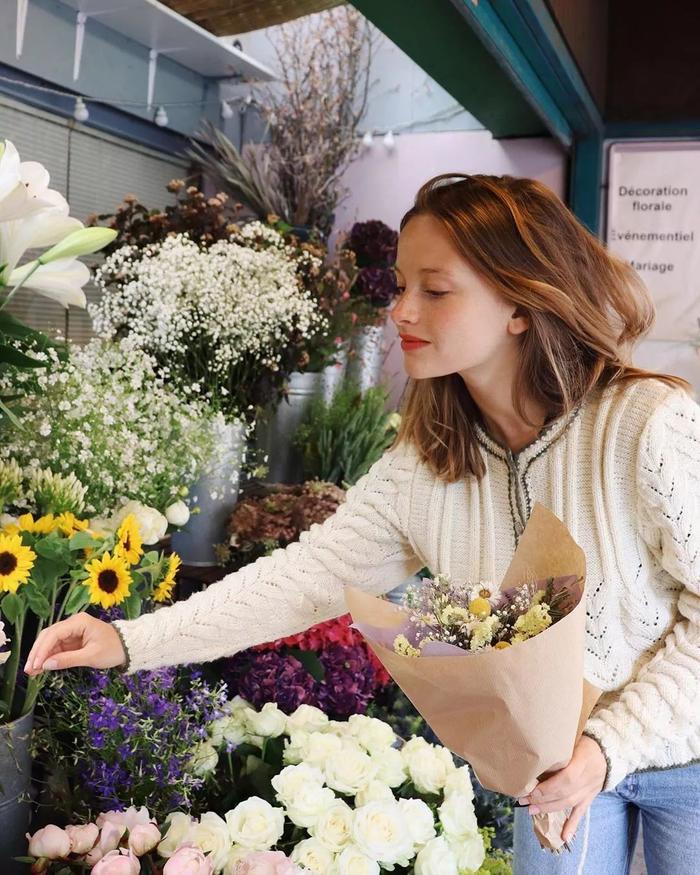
[310,800]
[255,824]
[391,767]
[177,514]
[379,831]
[269,722]
[314,856]
[292,778]
[152,524]
[321,746]
[457,816]
[51,842]
[428,768]
[334,826]
[372,734]
[228,728]
[468,850]
[419,821]
[352,861]
[373,792]
[436,858]
[349,770]
[460,781]
[238,703]
[212,835]
[309,718]
[204,758]
[339,727]
[143,838]
[179,827]
[296,747]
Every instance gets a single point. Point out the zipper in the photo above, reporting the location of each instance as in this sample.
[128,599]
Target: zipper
[520,503]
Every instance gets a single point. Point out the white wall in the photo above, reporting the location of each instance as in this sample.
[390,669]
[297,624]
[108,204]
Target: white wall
[382,185]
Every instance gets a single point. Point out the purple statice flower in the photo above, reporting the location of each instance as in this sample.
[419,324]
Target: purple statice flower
[373,243]
[350,681]
[377,285]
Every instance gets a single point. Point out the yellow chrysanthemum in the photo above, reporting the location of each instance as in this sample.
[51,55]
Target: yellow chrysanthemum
[480,607]
[533,621]
[109,580]
[16,561]
[129,543]
[165,587]
[69,524]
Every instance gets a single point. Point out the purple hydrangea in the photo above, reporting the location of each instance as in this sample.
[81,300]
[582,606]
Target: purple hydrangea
[377,284]
[373,243]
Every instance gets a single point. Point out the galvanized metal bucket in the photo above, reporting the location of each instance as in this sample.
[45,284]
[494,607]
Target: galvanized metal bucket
[274,437]
[15,789]
[367,357]
[214,495]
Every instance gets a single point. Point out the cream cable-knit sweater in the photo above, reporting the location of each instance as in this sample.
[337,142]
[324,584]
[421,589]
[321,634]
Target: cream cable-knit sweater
[622,472]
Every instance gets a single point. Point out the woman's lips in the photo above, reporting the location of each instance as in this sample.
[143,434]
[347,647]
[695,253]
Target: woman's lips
[409,343]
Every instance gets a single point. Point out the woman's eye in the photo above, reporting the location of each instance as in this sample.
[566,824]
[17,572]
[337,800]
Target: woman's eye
[436,294]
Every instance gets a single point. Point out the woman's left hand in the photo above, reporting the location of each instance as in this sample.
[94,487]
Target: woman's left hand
[574,786]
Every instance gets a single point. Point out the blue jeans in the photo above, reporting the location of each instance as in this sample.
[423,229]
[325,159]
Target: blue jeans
[667,803]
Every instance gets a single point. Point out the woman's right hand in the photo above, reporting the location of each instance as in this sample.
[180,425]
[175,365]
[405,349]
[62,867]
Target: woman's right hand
[80,640]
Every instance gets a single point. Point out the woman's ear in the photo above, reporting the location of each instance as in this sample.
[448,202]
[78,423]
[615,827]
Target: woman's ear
[519,321]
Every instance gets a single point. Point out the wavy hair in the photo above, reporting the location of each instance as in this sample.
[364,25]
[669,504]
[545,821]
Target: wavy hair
[587,309]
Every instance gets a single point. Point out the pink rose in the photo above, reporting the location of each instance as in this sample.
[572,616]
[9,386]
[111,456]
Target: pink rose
[117,862]
[266,863]
[143,838]
[51,842]
[189,860]
[82,838]
[110,837]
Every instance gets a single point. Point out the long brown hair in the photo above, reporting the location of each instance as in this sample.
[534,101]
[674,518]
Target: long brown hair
[586,309]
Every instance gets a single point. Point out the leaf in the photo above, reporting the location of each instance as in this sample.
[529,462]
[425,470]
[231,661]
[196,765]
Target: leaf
[38,602]
[11,607]
[11,356]
[82,540]
[310,661]
[45,572]
[53,547]
[77,600]
[132,606]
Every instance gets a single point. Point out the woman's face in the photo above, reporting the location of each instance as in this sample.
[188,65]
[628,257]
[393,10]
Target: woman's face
[466,326]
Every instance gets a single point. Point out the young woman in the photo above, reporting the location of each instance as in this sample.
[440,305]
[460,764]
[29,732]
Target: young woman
[517,327]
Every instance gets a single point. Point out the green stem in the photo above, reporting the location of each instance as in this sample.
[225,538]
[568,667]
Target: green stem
[11,666]
[19,286]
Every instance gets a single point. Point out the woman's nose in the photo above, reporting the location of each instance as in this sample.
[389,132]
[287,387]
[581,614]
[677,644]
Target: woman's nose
[403,310]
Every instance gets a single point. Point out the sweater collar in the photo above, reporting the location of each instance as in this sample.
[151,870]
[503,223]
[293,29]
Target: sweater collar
[549,434]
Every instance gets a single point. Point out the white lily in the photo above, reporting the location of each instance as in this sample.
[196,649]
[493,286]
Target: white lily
[24,185]
[40,229]
[62,280]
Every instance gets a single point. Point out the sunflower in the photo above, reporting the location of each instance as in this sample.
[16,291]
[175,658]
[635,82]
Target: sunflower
[26,523]
[69,524]
[165,587]
[109,580]
[129,544]
[16,562]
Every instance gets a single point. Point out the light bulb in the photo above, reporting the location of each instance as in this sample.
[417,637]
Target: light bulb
[161,118]
[389,140]
[367,139]
[226,111]
[80,111]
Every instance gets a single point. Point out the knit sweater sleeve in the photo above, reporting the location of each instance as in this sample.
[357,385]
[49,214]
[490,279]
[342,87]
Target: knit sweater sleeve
[364,543]
[660,704]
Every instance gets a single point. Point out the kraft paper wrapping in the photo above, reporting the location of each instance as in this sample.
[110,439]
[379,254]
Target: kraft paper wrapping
[514,715]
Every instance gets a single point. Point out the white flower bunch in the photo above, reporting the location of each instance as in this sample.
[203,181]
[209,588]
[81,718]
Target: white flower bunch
[362,804]
[224,317]
[51,492]
[107,420]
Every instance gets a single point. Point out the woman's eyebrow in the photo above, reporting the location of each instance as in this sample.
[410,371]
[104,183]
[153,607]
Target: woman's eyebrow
[427,270]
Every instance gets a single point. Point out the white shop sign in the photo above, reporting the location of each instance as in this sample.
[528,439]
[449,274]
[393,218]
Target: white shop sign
[653,222]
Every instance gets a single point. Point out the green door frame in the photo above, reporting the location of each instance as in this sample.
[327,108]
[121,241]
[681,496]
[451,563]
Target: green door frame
[506,62]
